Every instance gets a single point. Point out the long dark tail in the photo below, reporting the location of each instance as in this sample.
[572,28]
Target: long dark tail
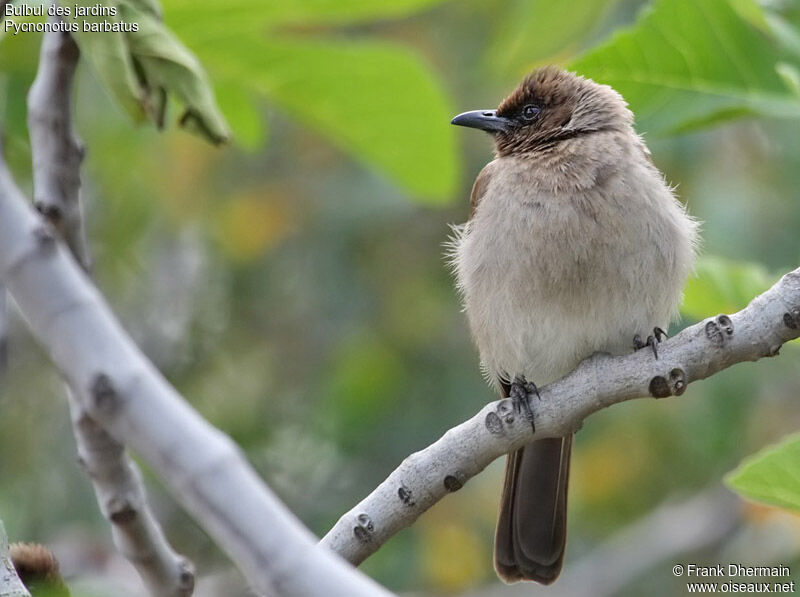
[532,528]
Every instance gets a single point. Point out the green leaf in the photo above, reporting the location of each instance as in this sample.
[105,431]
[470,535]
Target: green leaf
[520,40]
[723,286]
[377,101]
[202,19]
[771,476]
[166,65]
[141,67]
[689,62]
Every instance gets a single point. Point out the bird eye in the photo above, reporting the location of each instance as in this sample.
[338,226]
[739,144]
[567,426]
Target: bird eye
[530,111]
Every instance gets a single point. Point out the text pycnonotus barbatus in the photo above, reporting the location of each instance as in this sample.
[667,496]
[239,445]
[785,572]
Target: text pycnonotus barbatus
[575,244]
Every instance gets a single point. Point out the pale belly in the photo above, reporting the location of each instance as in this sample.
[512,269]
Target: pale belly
[543,291]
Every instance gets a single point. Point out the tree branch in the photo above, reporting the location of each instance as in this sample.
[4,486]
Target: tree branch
[119,388]
[697,352]
[57,156]
[57,152]
[10,584]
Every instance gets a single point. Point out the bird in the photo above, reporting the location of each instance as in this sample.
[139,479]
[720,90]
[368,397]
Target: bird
[575,244]
[38,569]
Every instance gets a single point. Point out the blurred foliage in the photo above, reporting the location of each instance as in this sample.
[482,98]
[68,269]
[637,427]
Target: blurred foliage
[237,16]
[537,30]
[685,64]
[723,286]
[142,67]
[364,96]
[772,475]
[299,299]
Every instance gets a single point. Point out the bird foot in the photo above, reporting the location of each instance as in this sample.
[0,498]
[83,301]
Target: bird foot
[521,393]
[652,341]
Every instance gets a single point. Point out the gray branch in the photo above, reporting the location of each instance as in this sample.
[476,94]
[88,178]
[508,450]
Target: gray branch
[602,380]
[123,392]
[57,152]
[10,584]
[57,156]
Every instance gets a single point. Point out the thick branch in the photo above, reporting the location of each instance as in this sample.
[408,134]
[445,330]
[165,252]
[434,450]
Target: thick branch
[10,584]
[57,152]
[201,466]
[697,352]
[57,156]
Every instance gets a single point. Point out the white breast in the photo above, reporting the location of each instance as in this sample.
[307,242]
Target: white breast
[550,276]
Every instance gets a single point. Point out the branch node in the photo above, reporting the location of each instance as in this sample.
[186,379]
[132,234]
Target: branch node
[364,529]
[717,329]
[454,482]
[406,495]
[51,211]
[186,577]
[103,393]
[792,319]
[121,511]
[677,378]
[659,388]
[726,324]
[494,424]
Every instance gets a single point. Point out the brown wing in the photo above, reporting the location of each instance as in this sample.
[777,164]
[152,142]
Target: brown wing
[479,188]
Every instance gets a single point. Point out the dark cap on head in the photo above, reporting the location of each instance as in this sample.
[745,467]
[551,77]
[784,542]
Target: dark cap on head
[548,106]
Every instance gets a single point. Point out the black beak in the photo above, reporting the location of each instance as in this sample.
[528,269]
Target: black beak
[485,120]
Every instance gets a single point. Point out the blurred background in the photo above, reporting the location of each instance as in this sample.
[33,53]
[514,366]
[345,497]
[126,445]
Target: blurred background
[292,285]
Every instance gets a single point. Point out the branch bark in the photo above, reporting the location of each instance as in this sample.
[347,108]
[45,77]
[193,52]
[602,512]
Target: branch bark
[10,584]
[56,150]
[119,388]
[697,352]
[57,156]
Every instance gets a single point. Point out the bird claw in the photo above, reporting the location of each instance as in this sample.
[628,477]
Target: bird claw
[652,341]
[521,392]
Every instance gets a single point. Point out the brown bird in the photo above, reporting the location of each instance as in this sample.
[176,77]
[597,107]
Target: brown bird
[575,244]
[38,570]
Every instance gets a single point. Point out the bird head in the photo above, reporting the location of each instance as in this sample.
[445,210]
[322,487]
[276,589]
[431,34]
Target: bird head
[548,106]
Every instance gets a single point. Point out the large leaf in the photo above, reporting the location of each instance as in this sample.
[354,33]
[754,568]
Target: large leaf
[520,39]
[723,286]
[377,101]
[143,65]
[202,19]
[687,62]
[772,475]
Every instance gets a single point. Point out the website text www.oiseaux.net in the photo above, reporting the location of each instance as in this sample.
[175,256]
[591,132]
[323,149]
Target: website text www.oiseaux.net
[735,578]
